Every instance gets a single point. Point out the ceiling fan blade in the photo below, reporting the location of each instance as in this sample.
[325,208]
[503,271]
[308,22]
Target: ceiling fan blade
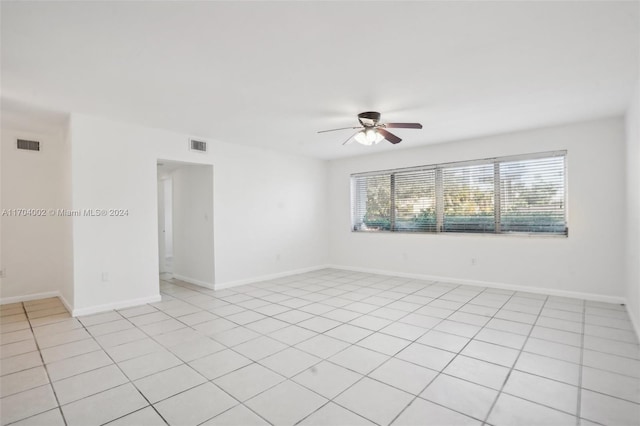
[333,130]
[403,125]
[389,136]
[351,137]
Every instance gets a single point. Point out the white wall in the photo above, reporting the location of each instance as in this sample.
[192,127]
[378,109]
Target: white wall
[633,208]
[193,236]
[269,210]
[37,251]
[589,261]
[270,213]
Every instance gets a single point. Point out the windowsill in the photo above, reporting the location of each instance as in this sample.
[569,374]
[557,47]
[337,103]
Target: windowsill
[469,234]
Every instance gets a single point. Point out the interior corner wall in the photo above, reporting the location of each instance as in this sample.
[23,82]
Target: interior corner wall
[269,210]
[192,212]
[587,263]
[66,288]
[633,208]
[37,246]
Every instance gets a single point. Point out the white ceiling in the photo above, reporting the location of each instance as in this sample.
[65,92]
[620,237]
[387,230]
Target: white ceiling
[273,73]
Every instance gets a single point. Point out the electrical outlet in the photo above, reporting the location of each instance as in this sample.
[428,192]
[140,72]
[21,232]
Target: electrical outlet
[105,277]
[2,273]
[474,261]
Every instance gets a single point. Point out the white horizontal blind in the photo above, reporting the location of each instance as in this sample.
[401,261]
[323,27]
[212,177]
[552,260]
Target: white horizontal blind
[468,198]
[415,201]
[371,203]
[532,195]
[520,194]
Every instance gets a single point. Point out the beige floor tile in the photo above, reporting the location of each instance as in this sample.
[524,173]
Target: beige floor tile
[104,407]
[26,404]
[195,406]
[23,380]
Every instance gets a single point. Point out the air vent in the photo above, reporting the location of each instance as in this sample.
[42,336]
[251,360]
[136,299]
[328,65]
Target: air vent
[28,145]
[199,146]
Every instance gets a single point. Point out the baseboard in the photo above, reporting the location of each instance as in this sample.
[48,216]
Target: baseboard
[66,304]
[192,281]
[28,297]
[141,301]
[115,305]
[476,283]
[269,277]
[36,296]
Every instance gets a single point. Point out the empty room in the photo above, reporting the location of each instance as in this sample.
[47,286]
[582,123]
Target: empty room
[338,213]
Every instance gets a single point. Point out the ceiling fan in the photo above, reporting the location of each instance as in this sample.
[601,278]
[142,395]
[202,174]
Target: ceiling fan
[371,131]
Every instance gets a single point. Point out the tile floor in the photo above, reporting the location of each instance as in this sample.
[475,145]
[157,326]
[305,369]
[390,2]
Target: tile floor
[329,347]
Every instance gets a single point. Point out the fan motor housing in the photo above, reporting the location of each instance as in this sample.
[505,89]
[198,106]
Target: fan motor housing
[369,118]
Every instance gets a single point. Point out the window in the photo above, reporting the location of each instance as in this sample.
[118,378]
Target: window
[523,194]
[468,198]
[532,195]
[415,201]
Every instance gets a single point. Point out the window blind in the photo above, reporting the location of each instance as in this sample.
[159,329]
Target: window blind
[415,201]
[469,198]
[371,201]
[519,194]
[532,195]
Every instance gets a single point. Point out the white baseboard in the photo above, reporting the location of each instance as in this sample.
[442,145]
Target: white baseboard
[36,296]
[503,286]
[152,299]
[192,281]
[66,304]
[269,277]
[115,305]
[28,297]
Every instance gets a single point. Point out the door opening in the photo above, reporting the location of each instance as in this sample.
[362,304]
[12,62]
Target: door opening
[165,226]
[185,222]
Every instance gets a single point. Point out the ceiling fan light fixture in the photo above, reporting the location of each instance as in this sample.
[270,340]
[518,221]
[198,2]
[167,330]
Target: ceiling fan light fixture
[372,132]
[368,137]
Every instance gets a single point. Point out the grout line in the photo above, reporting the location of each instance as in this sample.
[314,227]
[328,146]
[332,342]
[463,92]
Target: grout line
[366,375]
[580,369]
[364,282]
[486,291]
[501,390]
[454,357]
[207,380]
[388,289]
[327,360]
[46,369]
[125,376]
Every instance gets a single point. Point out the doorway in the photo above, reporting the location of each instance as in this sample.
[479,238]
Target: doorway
[165,225]
[185,222]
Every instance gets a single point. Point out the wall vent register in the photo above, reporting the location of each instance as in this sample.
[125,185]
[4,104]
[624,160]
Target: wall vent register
[199,146]
[28,145]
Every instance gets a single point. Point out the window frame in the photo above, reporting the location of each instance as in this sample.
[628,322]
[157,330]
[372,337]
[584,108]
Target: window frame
[439,195]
